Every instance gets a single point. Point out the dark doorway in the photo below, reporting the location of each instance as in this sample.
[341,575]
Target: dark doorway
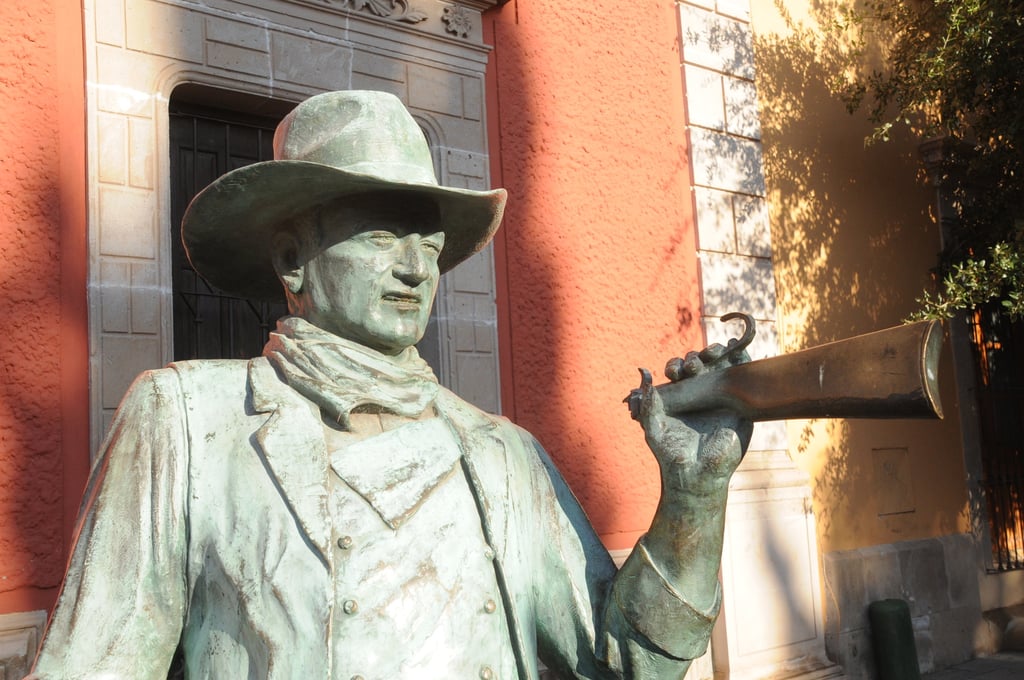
[204,144]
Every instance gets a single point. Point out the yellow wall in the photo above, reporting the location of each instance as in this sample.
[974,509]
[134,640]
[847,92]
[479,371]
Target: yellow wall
[854,239]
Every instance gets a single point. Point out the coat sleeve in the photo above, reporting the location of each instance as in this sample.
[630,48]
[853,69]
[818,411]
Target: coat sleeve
[594,622]
[121,608]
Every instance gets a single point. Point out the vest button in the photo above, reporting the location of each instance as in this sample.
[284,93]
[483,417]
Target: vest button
[345,542]
[486,673]
[490,606]
[350,606]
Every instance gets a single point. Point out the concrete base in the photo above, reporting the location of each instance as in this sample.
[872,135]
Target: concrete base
[1002,629]
[937,577]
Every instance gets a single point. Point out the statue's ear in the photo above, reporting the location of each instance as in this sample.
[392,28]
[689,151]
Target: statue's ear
[285,250]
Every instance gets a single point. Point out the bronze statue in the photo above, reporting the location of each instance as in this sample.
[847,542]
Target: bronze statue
[327,510]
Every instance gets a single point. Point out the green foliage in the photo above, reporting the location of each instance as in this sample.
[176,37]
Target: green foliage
[974,282]
[954,69]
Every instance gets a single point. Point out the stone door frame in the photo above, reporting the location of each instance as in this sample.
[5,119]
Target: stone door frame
[139,51]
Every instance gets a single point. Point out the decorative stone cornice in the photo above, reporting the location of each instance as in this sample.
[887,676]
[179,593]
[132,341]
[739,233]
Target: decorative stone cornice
[459,18]
[395,10]
[481,5]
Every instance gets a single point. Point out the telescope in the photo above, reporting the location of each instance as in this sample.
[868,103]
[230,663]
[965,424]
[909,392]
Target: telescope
[891,373]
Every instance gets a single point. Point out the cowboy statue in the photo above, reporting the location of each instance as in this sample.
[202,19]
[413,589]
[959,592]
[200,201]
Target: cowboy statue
[327,510]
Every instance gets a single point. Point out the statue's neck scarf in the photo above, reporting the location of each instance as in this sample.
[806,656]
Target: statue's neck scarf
[340,376]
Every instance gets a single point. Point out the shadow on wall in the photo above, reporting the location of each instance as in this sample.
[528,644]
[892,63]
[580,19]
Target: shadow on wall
[43,348]
[31,520]
[853,244]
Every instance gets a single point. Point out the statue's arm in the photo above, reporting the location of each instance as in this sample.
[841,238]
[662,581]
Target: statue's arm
[583,626]
[121,608]
[655,615]
[670,581]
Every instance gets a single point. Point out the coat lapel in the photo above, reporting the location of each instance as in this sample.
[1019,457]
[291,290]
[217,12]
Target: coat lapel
[485,460]
[489,471]
[291,444]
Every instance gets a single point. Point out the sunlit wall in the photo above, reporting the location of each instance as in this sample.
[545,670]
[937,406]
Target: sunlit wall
[597,253]
[854,240]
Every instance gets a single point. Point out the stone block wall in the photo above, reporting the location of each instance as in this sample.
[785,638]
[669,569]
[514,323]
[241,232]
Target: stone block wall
[769,562]
[731,212]
[937,577]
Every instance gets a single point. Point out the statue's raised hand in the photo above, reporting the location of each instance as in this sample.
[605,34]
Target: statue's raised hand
[697,452]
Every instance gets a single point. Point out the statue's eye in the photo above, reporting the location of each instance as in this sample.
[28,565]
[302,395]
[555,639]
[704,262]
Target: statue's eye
[433,243]
[381,238]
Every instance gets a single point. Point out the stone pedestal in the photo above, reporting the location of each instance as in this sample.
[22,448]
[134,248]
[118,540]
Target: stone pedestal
[771,624]
[937,577]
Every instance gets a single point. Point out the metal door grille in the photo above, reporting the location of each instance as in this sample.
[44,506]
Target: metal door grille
[209,323]
[1001,411]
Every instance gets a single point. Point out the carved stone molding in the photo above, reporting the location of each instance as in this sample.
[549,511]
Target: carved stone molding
[459,18]
[457,21]
[481,5]
[395,10]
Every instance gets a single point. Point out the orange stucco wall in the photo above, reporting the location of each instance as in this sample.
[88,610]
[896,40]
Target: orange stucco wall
[43,418]
[596,259]
[854,240]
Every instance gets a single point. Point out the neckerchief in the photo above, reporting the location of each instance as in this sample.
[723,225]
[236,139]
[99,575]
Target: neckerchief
[339,375]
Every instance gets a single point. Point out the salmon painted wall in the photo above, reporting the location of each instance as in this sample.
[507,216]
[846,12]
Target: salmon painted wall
[854,241]
[43,379]
[597,270]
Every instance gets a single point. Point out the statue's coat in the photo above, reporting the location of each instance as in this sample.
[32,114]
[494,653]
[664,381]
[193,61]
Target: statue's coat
[211,492]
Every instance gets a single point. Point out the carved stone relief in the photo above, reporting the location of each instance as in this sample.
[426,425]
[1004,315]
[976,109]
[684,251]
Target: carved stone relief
[396,10]
[457,21]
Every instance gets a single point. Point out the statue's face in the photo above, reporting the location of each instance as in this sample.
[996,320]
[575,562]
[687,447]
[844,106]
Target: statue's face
[373,278]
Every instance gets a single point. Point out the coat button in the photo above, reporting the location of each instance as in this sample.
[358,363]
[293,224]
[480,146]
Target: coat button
[490,606]
[357,677]
[486,673]
[350,606]
[345,542]
[489,553]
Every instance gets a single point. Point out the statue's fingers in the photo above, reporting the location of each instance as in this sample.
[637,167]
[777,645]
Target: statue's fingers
[693,364]
[674,369]
[652,410]
[712,353]
[682,368]
[647,392]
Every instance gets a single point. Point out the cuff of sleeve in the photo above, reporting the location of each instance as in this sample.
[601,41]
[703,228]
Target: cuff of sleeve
[658,611]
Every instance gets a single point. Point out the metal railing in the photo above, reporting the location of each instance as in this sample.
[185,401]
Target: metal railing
[997,344]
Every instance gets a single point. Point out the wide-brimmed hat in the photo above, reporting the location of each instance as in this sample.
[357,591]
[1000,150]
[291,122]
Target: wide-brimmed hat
[330,146]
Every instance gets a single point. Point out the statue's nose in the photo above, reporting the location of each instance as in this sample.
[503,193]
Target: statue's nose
[411,267]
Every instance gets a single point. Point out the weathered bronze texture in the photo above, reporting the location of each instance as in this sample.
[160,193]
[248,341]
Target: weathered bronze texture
[891,373]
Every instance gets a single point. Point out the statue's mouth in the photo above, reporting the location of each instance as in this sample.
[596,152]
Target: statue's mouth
[402,299]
